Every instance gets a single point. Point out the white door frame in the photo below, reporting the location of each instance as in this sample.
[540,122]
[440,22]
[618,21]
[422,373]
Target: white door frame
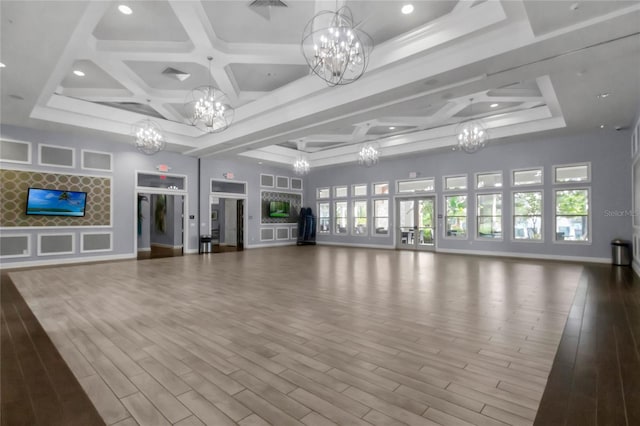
[398,231]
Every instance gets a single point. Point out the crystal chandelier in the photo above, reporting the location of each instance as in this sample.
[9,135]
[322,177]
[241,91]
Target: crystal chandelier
[301,166]
[148,136]
[208,108]
[472,135]
[368,156]
[334,48]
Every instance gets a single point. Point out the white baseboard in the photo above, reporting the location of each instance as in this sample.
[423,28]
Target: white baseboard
[374,246]
[635,265]
[144,249]
[190,251]
[86,259]
[527,255]
[282,244]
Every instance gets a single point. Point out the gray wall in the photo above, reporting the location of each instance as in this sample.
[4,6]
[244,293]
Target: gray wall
[126,161]
[608,153]
[245,171]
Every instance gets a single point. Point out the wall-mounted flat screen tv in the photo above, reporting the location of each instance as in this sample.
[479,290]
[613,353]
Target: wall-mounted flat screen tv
[279,209]
[55,202]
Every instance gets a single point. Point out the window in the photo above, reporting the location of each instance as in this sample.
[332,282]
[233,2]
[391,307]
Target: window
[340,217]
[456,216]
[572,215]
[359,217]
[527,177]
[322,193]
[324,218]
[489,180]
[359,190]
[339,191]
[572,173]
[381,188]
[452,183]
[421,185]
[527,216]
[489,225]
[381,217]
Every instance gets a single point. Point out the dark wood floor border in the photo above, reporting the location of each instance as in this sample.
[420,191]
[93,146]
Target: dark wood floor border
[595,378]
[36,386]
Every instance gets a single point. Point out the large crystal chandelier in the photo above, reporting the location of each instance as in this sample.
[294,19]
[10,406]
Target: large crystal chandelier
[148,137]
[334,48]
[301,166]
[208,108]
[472,135]
[368,156]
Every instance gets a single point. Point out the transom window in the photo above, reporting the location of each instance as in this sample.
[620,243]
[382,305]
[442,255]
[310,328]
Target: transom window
[489,180]
[452,183]
[322,193]
[419,185]
[340,191]
[359,190]
[527,177]
[572,173]
[381,188]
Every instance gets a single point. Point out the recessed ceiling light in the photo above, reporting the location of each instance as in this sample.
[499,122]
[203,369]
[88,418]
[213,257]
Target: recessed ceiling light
[125,10]
[2,65]
[494,105]
[392,128]
[407,9]
[603,95]
[602,126]
[78,73]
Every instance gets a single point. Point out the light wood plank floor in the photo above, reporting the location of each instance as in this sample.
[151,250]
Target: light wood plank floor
[308,335]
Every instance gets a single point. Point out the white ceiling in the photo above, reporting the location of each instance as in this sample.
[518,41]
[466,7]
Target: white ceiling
[542,62]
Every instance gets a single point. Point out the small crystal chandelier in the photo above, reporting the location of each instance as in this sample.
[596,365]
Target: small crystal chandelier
[208,108]
[472,135]
[301,166]
[369,156]
[334,48]
[148,136]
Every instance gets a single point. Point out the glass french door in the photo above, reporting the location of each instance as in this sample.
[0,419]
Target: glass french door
[416,223]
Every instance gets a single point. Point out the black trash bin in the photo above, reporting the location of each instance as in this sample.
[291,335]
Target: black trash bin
[205,244]
[621,252]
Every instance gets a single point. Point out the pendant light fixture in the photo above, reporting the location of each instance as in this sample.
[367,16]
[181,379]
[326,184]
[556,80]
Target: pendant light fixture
[472,135]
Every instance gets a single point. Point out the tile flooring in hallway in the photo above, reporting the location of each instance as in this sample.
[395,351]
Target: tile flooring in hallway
[308,335]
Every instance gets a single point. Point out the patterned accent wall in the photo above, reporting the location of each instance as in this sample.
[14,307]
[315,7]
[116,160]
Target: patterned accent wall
[295,203]
[13,198]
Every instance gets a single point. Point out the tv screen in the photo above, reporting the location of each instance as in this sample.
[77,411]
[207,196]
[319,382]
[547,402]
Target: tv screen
[55,202]
[279,209]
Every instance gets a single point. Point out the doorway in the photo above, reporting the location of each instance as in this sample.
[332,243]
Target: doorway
[160,225]
[227,224]
[416,223]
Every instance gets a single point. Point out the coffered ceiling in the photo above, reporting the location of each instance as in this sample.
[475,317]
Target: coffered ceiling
[522,66]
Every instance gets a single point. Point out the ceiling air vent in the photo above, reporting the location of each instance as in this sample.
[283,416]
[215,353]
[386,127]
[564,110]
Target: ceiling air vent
[272,3]
[172,72]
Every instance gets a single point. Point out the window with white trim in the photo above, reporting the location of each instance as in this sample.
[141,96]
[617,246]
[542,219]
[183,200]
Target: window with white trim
[359,190]
[489,216]
[416,185]
[489,180]
[322,193]
[381,217]
[359,217]
[340,191]
[572,173]
[340,217]
[455,216]
[455,183]
[381,188]
[572,215]
[324,218]
[527,216]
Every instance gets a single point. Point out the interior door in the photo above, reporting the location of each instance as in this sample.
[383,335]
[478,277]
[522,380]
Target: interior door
[240,225]
[416,223]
